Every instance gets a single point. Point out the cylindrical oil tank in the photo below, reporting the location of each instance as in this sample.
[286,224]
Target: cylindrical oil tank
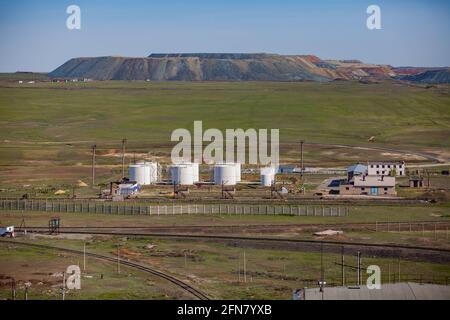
[152,172]
[195,171]
[225,174]
[267,179]
[137,172]
[182,174]
[267,176]
[268,170]
[146,169]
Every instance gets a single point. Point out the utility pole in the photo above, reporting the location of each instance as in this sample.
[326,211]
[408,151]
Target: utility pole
[360,273]
[94,147]
[239,267]
[245,269]
[435,234]
[13,289]
[174,190]
[358,268]
[389,273]
[322,276]
[63,289]
[118,259]
[343,267]
[301,158]
[123,157]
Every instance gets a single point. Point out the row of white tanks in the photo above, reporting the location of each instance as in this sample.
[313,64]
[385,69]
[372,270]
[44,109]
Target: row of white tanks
[188,173]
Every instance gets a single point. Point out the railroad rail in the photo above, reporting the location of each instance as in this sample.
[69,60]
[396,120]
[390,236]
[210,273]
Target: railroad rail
[185,286]
[244,238]
[424,225]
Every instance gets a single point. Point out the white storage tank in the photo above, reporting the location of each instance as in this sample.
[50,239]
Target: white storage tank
[137,172]
[237,167]
[195,171]
[182,174]
[267,176]
[225,174]
[267,180]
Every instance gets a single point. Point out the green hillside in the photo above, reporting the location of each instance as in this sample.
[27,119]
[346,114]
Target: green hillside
[343,112]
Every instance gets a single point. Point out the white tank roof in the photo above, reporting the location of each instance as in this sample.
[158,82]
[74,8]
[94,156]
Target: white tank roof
[182,174]
[225,174]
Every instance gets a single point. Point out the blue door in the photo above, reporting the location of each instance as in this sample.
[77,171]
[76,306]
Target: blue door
[373,190]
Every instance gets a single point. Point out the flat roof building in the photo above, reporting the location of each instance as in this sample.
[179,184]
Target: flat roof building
[369,185]
[386,168]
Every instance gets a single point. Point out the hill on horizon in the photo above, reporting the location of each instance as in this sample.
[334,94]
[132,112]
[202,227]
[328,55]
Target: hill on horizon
[226,67]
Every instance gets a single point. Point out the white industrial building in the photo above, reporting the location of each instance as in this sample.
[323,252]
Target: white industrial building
[384,168]
[374,179]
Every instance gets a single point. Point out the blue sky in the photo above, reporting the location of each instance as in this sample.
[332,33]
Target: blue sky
[34,37]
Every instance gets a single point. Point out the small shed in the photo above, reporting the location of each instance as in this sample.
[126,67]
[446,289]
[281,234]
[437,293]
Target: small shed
[415,182]
[127,189]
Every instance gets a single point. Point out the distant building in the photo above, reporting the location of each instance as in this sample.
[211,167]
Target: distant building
[416,182]
[369,185]
[384,168]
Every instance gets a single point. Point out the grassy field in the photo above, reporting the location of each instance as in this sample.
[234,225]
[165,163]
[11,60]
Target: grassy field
[365,214]
[215,268]
[147,112]
[47,129]
[42,269]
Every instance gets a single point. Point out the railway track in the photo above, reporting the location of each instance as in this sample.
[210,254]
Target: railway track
[244,238]
[185,286]
[440,225]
